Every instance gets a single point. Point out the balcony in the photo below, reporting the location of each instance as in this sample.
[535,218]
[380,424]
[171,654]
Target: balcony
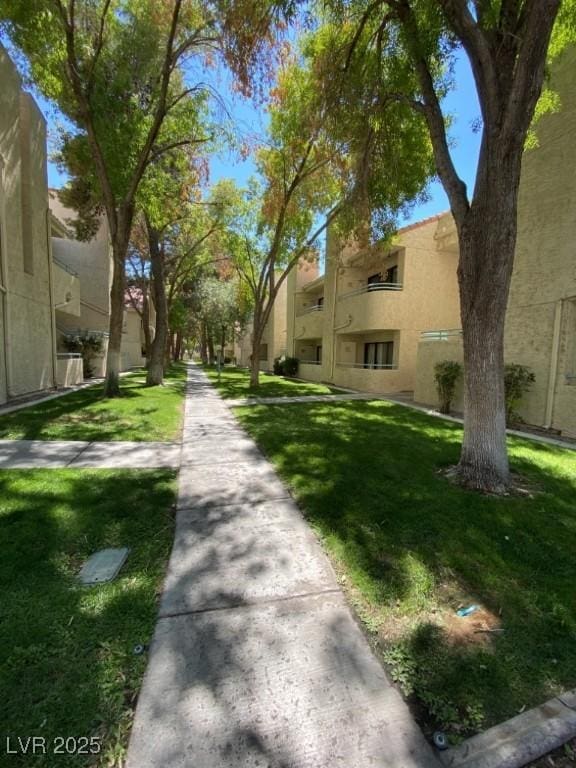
[371,307]
[309,324]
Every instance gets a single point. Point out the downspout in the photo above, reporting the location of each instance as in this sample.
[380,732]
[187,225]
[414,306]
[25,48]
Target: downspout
[554,360]
[51,298]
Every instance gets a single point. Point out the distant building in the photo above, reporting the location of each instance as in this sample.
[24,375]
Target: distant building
[359,324]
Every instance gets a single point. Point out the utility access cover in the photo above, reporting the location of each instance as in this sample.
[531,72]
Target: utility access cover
[103,566]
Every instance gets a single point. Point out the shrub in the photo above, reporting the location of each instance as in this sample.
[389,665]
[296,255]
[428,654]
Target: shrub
[290,367]
[285,366]
[88,345]
[517,381]
[446,375]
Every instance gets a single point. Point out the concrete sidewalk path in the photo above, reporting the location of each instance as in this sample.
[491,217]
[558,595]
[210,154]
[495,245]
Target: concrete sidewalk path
[77,454]
[256,659]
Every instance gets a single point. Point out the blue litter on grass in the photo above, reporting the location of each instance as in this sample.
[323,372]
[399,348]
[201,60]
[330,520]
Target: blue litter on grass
[466,611]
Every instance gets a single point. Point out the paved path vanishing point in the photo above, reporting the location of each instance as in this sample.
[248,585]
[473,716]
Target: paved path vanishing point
[256,659]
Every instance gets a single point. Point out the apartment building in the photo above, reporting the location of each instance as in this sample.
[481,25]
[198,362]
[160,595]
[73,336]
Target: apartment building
[358,325]
[28,360]
[274,341]
[51,285]
[541,317]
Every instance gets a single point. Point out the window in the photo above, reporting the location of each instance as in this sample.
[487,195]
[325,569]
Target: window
[263,352]
[379,354]
[391,275]
[374,281]
[319,353]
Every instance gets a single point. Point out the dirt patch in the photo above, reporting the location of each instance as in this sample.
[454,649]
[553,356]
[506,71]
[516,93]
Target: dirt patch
[479,628]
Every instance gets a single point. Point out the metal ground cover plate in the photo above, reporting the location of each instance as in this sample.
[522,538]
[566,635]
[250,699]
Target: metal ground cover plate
[103,566]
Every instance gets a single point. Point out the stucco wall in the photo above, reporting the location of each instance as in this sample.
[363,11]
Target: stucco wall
[132,340]
[429,353]
[544,278]
[66,290]
[29,363]
[428,299]
[69,371]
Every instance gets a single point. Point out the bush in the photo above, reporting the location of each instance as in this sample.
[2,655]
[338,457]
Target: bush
[446,375]
[285,366]
[88,345]
[517,381]
[290,366]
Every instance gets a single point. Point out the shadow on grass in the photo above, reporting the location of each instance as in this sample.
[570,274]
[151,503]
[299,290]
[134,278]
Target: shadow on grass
[140,413]
[235,383]
[413,547]
[67,665]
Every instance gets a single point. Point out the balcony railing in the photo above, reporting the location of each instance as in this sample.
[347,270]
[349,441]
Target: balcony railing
[311,362]
[370,287]
[369,366]
[64,266]
[441,335]
[313,308]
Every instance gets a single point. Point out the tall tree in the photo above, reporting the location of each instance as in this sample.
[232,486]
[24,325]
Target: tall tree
[302,180]
[506,42]
[115,69]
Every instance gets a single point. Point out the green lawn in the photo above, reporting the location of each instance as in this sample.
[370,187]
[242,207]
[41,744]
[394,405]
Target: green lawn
[141,413]
[235,383]
[411,548]
[67,666]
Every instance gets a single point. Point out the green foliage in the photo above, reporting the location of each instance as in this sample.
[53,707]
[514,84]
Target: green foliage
[517,381]
[446,375]
[66,655]
[384,140]
[286,366]
[235,383]
[141,414]
[89,345]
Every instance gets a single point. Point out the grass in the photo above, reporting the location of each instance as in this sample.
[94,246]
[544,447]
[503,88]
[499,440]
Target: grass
[410,548]
[235,383]
[67,666]
[141,413]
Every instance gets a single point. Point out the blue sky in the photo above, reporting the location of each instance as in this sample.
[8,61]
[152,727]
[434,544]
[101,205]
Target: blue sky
[249,122]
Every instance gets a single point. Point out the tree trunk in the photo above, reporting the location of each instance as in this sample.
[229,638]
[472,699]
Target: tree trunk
[255,356]
[112,381]
[203,343]
[211,355]
[146,323]
[178,347]
[155,374]
[487,244]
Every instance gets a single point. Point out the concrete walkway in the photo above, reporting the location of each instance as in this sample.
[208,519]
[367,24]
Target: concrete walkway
[256,659]
[77,454]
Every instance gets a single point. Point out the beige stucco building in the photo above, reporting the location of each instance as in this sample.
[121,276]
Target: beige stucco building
[273,339]
[358,325]
[50,284]
[27,337]
[541,315]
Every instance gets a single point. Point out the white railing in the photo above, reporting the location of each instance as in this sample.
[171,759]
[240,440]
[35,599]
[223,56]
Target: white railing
[369,366]
[310,362]
[313,308]
[441,335]
[371,287]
